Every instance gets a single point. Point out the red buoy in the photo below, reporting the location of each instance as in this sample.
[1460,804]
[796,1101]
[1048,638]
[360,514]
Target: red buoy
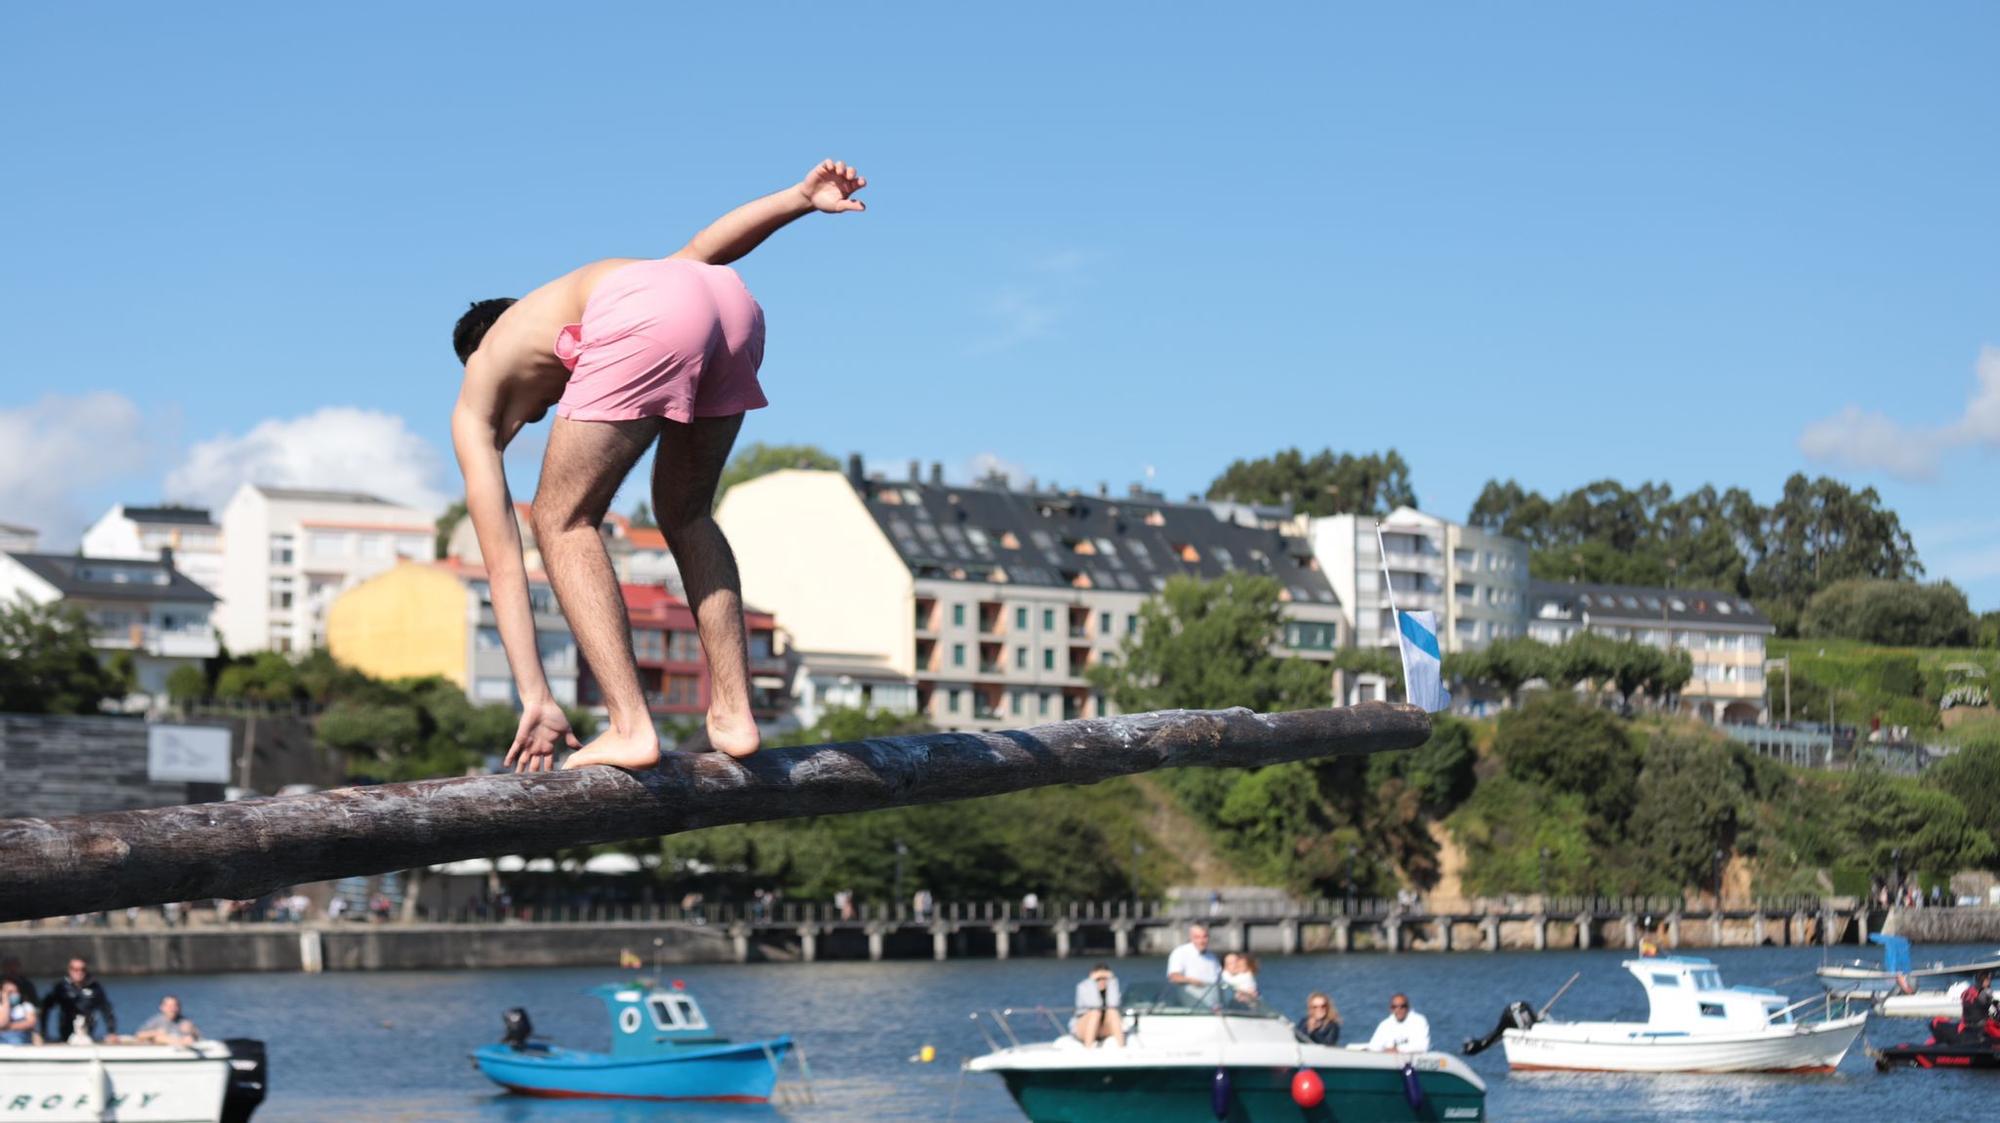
[1307,1089]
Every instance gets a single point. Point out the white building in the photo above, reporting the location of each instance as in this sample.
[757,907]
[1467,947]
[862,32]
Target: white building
[18,539]
[1722,633]
[287,552]
[142,532]
[146,607]
[1476,581]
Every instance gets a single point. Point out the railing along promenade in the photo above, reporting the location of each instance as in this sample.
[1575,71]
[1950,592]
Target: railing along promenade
[1002,929]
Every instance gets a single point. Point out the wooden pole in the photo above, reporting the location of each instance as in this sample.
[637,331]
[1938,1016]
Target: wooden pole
[242,850]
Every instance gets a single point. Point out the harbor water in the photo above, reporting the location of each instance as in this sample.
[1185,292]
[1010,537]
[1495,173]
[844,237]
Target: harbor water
[394,1045]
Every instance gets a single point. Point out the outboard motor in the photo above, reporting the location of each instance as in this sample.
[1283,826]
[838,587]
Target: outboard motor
[1517,1015]
[247,1076]
[519,1028]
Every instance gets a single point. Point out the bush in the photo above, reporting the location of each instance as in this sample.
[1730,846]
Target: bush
[1565,746]
[1897,613]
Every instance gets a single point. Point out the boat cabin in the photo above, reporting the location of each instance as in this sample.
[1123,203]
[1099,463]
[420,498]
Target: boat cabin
[1686,995]
[647,1021]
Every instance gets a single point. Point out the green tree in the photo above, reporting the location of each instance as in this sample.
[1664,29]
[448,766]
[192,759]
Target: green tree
[642,516]
[1892,613]
[758,458]
[1689,800]
[1326,483]
[1972,777]
[1821,531]
[47,664]
[1566,746]
[187,683]
[446,523]
[1207,645]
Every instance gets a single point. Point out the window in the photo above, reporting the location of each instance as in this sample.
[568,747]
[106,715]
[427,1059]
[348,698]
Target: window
[683,647]
[649,645]
[1711,1009]
[1464,559]
[958,616]
[1464,591]
[374,546]
[760,645]
[1043,707]
[556,649]
[487,639]
[951,699]
[1660,980]
[1104,623]
[281,549]
[281,593]
[1048,658]
[1048,619]
[1014,702]
[958,655]
[1132,624]
[493,690]
[1021,619]
[1309,636]
[683,690]
[1021,658]
[326,545]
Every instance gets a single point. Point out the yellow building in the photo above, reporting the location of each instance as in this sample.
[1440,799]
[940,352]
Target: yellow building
[436,618]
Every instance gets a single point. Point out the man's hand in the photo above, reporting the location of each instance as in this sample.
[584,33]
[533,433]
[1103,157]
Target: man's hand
[830,187]
[544,732]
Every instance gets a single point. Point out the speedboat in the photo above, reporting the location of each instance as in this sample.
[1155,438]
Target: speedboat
[206,1082]
[1198,1056]
[1695,1024]
[1895,974]
[662,1048]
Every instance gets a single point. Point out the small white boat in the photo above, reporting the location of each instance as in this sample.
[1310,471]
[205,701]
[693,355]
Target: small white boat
[1925,1004]
[206,1082]
[1896,974]
[1195,1058]
[1695,1024]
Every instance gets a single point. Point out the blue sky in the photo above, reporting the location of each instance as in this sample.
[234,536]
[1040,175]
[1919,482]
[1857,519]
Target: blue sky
[1690,242]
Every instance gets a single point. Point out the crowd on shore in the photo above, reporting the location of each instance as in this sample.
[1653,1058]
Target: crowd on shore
[1198,978]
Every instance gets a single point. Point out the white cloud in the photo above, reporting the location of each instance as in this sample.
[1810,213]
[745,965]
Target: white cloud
[1034,309]
[1857,438]
[1854,438]
[335,447]
[980,465]
[60,447]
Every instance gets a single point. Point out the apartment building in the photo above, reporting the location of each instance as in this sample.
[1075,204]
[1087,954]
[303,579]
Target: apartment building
[1723,634]
[436,618]
[993,602]
[133,531]
[288,552]
[639,554]
[142,606]
[1476,581]
[672,670]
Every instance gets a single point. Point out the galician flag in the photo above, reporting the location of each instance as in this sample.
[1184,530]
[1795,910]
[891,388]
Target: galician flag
[1423,666]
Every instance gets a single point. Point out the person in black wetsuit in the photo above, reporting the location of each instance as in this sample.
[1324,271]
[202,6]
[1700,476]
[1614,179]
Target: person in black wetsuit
[78,994]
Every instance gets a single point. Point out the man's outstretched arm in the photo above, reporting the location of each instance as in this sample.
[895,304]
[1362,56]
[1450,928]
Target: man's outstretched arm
[829,188]
[544,728]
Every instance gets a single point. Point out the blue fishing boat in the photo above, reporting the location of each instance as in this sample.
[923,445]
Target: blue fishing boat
[662,1048]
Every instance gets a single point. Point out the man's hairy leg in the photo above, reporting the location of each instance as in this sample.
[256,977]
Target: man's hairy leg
[585,463]
[686,470]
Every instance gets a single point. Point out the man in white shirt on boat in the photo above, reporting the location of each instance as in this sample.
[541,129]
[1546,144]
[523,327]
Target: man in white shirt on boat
[1403,1031]
[1190,965]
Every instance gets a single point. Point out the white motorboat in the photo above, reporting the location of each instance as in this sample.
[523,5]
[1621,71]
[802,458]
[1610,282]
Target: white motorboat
[1924,1004]
[206,1082]
[1895,974]
[1194,1058]
[1695,1024]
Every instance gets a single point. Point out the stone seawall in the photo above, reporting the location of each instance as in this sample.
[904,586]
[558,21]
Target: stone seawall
[359,947]
[1970,925]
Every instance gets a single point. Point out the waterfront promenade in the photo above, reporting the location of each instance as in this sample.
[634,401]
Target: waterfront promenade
[791,932]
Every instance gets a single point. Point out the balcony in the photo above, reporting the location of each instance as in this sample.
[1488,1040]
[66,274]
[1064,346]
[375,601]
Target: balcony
[170,643]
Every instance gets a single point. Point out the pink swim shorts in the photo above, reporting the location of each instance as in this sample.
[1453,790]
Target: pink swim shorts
[672,338]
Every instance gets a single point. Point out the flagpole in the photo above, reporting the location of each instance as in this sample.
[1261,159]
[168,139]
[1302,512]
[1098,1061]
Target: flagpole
[1382,555]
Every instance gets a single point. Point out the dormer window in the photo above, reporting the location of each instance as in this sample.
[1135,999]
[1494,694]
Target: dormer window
[1008,541]
[1188,553]
[1155,518]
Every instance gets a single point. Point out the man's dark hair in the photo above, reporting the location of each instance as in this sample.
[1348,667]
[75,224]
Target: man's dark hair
[471,327]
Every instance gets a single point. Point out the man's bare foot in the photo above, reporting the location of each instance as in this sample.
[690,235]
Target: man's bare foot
[638,750]
[736,736]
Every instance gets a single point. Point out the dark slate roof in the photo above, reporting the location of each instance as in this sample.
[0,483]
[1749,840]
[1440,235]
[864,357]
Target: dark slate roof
[320,495]
[173,513]
[1638,604]
[962,533]
[97,578]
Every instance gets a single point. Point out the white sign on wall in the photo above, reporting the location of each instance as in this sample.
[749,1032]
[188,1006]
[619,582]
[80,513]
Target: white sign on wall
[197,754]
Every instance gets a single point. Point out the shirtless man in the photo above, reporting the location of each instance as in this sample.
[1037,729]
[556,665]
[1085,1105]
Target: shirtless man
[630,352]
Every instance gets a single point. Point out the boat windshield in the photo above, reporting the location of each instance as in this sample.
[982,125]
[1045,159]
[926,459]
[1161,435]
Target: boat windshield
[1215,998]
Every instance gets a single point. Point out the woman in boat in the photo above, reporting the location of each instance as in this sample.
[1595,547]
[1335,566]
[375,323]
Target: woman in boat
[17,1016]
[1098,1017]
[1321,1025]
